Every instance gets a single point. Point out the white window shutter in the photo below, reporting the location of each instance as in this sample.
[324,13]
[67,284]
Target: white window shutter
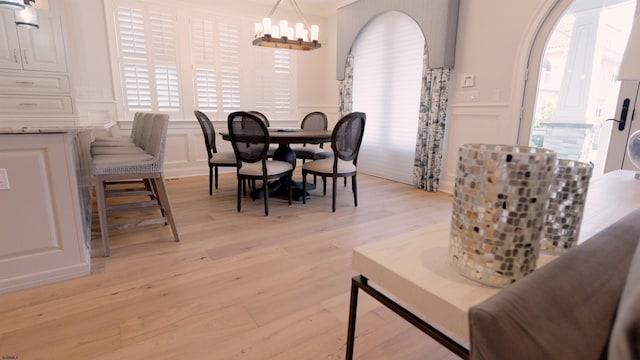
[151,59]
[137,87]
[203,43]
[167,88]
[206,91]
[147,39]
[131,36]
[273,80]
[163,35]
[229,67]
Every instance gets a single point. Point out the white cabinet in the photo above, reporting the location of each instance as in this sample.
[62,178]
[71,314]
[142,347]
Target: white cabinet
[33,69]
[34,50]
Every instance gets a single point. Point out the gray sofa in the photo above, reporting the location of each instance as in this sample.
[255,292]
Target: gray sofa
[583,305]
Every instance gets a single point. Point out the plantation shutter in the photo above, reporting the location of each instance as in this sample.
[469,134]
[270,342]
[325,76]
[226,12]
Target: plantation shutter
[203,50]
[160,73]
[273,81]
[229,67]
[148,58]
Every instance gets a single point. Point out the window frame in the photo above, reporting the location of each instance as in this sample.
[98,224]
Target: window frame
[249,68]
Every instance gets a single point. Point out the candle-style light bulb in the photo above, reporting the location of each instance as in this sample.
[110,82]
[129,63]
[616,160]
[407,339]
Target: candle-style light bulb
[284,26]
[315,29]
[266,26]
[299,31]
[257,29]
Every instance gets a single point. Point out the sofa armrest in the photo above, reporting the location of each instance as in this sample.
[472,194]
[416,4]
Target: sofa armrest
[564,310]
[625,336]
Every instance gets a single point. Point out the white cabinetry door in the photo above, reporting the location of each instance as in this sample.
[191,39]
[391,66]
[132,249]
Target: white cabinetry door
[32,49]
[43,49]
[9,46]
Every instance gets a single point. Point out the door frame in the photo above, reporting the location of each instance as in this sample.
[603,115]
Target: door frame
[617,157]
[533,68]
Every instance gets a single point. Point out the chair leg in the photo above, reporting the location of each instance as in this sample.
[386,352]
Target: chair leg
[265,195]
[291,189]
[151,186]
[324,186]
[345,181]
[304,187]
[335,190]
[354,187]
[216,177]
[211,179]
[102,213]
[163,194]
[240,188]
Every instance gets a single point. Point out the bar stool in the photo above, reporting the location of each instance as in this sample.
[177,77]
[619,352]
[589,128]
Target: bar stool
[119,166]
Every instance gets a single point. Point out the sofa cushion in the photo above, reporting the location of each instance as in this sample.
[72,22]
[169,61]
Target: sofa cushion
[625,336]
[564,310]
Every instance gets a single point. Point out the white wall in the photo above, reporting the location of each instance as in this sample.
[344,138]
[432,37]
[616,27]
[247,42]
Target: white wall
[493,41]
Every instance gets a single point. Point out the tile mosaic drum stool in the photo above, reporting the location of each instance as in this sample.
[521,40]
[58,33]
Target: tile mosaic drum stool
[501,195]
[568,194]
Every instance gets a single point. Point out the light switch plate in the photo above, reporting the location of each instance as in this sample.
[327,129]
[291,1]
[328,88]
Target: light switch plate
[4,179]
[468,81]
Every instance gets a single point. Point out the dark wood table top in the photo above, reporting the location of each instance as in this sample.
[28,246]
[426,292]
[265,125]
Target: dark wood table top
[293,136]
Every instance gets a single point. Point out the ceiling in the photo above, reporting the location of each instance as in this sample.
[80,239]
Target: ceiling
[311,6]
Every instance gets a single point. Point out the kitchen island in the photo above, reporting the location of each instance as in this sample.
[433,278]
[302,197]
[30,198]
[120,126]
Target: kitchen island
[45,205]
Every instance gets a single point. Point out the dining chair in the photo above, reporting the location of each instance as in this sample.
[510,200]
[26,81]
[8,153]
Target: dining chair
[249,137]
[216,159]
[261,116]
[146,166]
[312,121]
[265,120]
[346,139]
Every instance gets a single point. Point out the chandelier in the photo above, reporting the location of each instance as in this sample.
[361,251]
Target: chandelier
[302,37]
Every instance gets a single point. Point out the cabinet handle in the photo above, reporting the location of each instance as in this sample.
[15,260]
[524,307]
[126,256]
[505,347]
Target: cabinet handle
[15,55]
[25,58]
[28,104]
[28,83]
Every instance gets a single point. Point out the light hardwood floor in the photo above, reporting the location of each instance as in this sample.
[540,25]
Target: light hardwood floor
[238,285]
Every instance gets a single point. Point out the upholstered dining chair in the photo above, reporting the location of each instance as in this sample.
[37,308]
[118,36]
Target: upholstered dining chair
[260,116]
[346,139]
[216,159]
[250,140]
[312,121]
[265,120]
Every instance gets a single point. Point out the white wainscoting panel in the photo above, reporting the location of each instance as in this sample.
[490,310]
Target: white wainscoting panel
[481,123]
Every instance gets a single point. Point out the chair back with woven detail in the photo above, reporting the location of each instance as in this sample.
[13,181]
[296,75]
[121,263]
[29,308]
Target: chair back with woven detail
[249,137]
[215,159]
[346,139]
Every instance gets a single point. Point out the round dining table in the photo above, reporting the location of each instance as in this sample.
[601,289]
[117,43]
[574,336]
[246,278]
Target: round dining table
[284,137]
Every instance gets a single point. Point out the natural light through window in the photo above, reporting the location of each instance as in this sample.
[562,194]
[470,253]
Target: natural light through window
[387,74]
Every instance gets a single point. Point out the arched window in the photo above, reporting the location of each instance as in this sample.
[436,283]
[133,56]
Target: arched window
[387,74]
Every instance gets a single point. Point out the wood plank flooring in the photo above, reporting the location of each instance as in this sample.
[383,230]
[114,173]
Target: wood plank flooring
[238,285]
